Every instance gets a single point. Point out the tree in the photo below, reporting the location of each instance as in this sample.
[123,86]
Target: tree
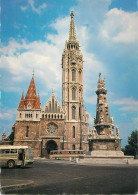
[132,147]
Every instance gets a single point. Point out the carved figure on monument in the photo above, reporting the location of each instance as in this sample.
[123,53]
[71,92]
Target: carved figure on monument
[101,119]
[112,119]
[117,131]
[111,130]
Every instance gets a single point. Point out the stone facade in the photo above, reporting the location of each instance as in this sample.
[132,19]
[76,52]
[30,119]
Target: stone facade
[42,129]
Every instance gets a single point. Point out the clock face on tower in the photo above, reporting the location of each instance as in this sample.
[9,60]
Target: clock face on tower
[29,106]
[52,128]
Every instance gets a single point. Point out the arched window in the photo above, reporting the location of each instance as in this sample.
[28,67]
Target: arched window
[73,93]
[20,115]
[73,75]
[73,112]
[42,115]
[73,131]
[73,147]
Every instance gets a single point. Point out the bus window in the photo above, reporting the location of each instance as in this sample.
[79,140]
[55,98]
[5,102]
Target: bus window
[13,151]
[6,151]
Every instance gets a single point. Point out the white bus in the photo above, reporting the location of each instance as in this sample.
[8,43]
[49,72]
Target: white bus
[12,156]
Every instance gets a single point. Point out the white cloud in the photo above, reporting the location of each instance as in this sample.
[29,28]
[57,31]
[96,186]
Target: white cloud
[19,59]
[38,9]
[120,26]
[24,8]
[8,115]
[129,104]
[91,100]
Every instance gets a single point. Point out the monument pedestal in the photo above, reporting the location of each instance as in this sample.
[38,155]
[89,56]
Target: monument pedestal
[105,157]
[106,153]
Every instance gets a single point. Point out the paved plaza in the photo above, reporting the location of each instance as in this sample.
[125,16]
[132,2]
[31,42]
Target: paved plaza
[64,177]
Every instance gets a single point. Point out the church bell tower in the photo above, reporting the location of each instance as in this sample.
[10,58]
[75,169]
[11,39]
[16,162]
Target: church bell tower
[76,118]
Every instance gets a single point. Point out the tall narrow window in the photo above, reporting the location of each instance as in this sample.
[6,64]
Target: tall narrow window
[27,131]
[49,107]
[73,75]
[73,93]
[73,112]
[73,147]
[73,131]
[55,107]
[52,104]
[80,79]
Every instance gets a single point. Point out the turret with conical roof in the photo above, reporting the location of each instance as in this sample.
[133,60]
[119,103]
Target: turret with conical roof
[30,107]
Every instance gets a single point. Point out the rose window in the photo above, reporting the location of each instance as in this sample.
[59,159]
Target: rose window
[52,128]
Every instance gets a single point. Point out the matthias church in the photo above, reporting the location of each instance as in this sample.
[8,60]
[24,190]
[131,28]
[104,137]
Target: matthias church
[66,126]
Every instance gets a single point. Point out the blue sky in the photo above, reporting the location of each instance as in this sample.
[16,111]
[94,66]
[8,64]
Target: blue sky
[33,35]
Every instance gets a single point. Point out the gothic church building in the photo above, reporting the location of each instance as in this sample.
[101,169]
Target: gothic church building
[54,126]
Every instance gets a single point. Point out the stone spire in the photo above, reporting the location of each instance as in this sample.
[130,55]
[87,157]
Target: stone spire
[103,122]
[72,33]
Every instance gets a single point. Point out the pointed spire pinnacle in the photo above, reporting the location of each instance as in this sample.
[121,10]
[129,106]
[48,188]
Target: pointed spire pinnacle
[21,105]
[101,84]
[99,75]
[33,73]
[72,33]
[3,135]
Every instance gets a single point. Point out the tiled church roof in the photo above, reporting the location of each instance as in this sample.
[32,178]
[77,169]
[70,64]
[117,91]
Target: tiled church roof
[32,100]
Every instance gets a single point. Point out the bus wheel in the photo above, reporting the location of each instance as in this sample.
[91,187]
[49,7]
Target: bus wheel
[11,164]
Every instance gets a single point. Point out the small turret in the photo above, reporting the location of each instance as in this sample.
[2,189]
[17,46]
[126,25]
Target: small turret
[3,135]
[21,105]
